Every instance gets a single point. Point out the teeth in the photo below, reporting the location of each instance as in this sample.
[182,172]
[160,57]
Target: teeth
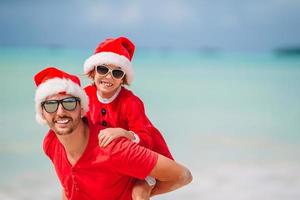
[62,121]
[106,84]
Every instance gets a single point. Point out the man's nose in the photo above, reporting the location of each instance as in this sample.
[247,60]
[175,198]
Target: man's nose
[60,110]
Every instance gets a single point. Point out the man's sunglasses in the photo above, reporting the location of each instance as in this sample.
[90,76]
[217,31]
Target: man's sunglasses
[116,73]
[69,104]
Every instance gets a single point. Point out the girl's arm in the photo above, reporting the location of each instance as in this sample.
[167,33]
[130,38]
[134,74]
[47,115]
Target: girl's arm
[137,122]
[107,135]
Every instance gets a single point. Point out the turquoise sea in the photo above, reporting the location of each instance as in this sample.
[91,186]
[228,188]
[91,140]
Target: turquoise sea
[232,118]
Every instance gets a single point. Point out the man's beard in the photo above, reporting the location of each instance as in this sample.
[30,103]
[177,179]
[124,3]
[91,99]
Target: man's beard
[66,131]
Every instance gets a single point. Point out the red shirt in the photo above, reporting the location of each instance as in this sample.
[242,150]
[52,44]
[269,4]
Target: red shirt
[126,111]
[100,173]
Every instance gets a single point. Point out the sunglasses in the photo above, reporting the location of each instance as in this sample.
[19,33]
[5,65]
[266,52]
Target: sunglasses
[51,106]
[116,73]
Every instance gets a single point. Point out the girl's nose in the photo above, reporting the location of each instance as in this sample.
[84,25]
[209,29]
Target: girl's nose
[109,75]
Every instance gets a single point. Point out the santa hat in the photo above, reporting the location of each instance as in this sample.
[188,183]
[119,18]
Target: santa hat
[118,51]
[51,81]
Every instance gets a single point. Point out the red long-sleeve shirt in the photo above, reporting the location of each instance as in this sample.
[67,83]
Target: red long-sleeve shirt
[126,111]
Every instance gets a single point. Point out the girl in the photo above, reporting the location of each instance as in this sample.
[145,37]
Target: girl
[113,106]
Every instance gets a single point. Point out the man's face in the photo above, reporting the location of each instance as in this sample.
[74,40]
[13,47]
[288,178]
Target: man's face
[62,121]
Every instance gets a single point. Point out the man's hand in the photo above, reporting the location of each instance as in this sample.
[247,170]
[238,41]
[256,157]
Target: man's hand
[141,190]
[107,135]
[63,196]
[169,175]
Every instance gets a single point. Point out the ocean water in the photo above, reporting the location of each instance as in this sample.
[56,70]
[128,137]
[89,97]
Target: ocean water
[231,118]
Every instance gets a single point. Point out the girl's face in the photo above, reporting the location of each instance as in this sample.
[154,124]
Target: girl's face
[107,84]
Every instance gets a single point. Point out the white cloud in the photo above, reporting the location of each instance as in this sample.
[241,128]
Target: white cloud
[175,13]
[107,14]
[219,23]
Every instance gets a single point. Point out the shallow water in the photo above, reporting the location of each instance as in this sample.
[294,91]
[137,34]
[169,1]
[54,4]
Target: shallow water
[233,119]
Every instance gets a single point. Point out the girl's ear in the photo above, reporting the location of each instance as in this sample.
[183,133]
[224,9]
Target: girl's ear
[92,74]
[124,80]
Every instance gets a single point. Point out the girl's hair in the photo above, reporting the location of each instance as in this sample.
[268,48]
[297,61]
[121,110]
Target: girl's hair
[91,74]
[125,82]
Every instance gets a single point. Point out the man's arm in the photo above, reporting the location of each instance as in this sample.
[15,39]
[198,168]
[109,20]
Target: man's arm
[137,161]
[63,196]
[170,175]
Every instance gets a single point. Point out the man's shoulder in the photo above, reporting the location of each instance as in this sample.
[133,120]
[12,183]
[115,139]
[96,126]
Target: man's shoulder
[130,158]
[116,147]
[119,144]
[123,147]
[49,138]
[49,142]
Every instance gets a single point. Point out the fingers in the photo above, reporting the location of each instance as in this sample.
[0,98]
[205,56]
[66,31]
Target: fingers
[104,139]
[107,141]
[109,134]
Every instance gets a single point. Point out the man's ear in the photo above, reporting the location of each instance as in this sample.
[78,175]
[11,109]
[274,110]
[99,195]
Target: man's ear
[43,114]
[82,113]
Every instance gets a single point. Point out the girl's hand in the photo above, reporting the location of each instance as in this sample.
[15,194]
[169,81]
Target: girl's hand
[107,135]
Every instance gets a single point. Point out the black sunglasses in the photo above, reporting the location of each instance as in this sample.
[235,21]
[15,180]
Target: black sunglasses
[116,73]
[69,104]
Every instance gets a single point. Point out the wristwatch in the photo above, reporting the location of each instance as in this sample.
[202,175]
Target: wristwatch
[150,180]
[136,138]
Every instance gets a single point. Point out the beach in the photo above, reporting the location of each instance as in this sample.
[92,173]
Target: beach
[232,118]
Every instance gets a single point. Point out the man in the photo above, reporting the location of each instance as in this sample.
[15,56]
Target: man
[85,170]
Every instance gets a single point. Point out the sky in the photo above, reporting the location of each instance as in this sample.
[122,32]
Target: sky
[232,25]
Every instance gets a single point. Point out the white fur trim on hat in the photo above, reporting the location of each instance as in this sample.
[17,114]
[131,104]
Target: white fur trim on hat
[109,58]
[55,86]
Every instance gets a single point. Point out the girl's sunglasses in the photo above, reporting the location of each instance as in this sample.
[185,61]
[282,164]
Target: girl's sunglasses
[51,106]
[116,73]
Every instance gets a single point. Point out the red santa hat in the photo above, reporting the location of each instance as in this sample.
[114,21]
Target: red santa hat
[51,81]
[116,51]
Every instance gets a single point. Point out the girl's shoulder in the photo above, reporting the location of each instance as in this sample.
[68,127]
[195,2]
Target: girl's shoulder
[91,91]
[128,95]
[130,100]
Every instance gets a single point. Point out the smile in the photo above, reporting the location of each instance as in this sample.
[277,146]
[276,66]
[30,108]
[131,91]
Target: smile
[62,121]
[107,84]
